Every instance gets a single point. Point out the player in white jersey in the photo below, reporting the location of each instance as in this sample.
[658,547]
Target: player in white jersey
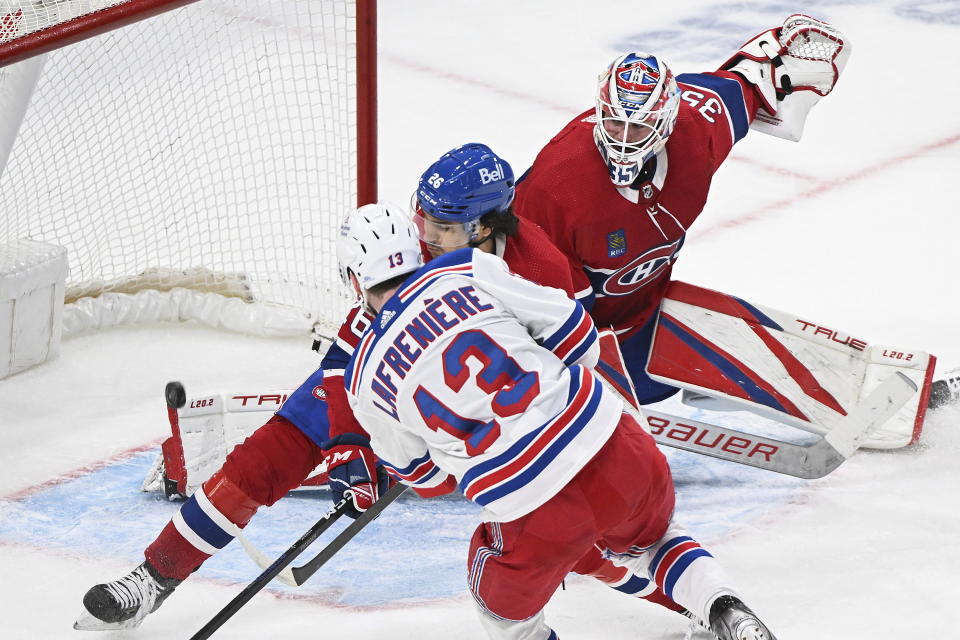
[470,376]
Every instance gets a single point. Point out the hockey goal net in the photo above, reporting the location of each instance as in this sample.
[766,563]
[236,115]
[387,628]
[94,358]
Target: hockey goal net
[194,157]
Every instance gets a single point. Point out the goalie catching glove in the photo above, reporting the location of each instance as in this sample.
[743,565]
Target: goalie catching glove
[792,67]
[354,473]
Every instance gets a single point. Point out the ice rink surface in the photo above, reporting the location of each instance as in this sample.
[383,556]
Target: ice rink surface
[854,226]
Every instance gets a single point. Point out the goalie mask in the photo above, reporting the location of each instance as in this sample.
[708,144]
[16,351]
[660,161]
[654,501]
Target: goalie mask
[456,191]
[637,104]
[377,242]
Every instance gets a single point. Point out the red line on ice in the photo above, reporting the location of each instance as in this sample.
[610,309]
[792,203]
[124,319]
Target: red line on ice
[84,470]
[823,187]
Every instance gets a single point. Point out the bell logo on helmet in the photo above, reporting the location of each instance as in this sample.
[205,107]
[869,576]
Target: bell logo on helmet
[487,176]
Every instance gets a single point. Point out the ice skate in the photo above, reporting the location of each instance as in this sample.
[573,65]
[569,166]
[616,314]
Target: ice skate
[124,603]
[730,619]
[696,626]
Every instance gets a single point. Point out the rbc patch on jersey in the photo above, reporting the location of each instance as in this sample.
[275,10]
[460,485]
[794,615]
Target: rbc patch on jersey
[616,243]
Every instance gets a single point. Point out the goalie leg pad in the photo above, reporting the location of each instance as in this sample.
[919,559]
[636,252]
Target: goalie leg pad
[636,351]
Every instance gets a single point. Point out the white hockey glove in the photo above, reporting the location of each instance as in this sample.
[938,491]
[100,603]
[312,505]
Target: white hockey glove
[792,66]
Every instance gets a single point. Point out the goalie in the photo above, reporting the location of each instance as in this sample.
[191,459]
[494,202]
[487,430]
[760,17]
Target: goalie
[619,187]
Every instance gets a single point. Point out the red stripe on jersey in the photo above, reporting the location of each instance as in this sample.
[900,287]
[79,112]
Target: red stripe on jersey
[358,363]
[575,338]
[539,444]
[419,472]
[409,290]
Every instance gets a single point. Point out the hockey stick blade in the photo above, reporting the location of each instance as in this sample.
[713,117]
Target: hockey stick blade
[808,461]
[302,573]
[271,572]
[263,561]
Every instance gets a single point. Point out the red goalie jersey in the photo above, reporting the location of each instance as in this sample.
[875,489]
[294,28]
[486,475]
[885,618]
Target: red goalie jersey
[622,243]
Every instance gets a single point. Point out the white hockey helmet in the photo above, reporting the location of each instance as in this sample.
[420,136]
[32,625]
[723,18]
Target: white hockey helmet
[377,242]
[637,104]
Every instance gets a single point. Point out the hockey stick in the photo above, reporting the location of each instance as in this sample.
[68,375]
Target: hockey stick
[272,571]
[263,561]
[289,576]
[302,573]
[807,461]
[803,461]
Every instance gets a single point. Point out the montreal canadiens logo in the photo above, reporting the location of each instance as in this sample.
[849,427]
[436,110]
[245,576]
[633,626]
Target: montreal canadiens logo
[319,393]
[637,273]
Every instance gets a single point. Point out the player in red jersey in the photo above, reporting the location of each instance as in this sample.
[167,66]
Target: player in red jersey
[618,187]
[281,454]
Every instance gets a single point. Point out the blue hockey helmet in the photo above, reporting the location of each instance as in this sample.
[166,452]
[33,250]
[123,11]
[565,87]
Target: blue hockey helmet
[466,183]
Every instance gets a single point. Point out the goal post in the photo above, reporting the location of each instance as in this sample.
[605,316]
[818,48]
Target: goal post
[194,157]
[34,28]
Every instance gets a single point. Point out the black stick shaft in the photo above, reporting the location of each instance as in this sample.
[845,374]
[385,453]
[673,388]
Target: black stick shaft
[302,573]
[270,572]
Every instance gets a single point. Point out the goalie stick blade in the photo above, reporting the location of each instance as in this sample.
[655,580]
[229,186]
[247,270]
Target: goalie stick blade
[802,461]
[878,407]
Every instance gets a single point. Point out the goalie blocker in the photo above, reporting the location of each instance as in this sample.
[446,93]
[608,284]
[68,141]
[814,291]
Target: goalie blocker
[788,368]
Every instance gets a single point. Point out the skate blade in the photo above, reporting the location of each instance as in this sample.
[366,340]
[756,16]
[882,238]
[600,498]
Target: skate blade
[87,622]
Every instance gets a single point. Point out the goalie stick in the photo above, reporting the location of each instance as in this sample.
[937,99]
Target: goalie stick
[808,461]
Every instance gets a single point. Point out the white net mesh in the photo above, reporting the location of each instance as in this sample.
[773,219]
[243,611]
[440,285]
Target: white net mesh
[18,18]
[212,144]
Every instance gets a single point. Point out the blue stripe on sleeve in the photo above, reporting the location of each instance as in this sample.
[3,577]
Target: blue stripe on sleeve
[572,323]
[730,93]
[576,354]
